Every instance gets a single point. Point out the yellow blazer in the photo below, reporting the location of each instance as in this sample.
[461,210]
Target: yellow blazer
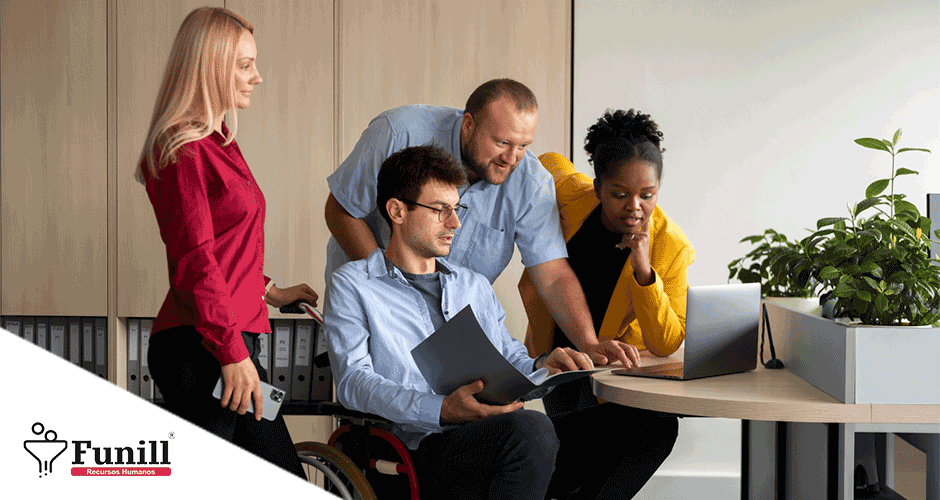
[644,316]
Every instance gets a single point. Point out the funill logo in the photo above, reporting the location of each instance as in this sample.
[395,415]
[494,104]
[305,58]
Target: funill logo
[46,450]
[117,458]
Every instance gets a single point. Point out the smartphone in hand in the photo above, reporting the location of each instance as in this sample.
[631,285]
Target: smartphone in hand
[273,397]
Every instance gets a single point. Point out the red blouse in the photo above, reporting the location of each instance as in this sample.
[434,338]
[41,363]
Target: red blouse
[211,217]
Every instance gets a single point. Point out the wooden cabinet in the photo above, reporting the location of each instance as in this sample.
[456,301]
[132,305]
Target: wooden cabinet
[53,160]
[287,133]
[394,52]
[80,78]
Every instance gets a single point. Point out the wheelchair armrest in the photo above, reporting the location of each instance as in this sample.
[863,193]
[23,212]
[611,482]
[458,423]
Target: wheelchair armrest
[300,307]
[292,308]
[356,417]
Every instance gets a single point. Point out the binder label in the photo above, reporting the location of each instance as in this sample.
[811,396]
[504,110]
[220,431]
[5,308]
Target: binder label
[302,354]
[88,344]
[282,347]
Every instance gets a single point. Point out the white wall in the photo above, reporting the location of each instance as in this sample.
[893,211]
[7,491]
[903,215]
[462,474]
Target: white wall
[759,102]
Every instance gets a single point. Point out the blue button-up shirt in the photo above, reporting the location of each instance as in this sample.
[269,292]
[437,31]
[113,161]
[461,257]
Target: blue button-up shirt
[374,318]
[521,211]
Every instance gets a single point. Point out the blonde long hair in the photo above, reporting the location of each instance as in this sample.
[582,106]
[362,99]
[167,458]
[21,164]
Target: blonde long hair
[198,85]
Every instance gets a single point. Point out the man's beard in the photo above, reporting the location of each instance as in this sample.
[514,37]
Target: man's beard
[474,170]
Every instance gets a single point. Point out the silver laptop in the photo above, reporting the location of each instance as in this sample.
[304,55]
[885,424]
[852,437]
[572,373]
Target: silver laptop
[720,334]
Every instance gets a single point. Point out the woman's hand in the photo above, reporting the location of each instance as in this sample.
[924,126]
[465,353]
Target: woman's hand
[611,351]
[240,385]
[278,297]
[639,244]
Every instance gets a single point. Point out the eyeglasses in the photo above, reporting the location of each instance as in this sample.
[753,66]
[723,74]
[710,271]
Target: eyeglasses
[443,213]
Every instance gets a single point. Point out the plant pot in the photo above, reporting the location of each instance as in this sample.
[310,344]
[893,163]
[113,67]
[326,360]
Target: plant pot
[808,305]
[856,363]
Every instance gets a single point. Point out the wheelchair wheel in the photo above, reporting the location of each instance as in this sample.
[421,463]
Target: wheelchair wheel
[340,476]
[390,468]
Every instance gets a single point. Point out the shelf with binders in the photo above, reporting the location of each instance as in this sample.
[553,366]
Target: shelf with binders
[294,356]
[82,341]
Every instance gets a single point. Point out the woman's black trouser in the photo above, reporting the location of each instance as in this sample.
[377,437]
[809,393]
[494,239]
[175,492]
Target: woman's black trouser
[186,373]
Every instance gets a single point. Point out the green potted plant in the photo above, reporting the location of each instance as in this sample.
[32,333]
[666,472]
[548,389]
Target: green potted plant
[880,283]
[777,263]
[875,266]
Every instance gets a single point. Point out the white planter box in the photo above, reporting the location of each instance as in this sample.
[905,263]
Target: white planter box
[858,364]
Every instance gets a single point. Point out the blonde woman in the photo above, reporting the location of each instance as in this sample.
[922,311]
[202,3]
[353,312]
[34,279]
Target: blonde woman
[211,217]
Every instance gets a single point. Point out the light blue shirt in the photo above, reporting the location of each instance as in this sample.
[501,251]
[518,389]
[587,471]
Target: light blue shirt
[374,318]
[521,211]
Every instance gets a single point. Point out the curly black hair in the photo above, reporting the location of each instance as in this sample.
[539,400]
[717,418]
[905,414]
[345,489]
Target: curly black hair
[621,136]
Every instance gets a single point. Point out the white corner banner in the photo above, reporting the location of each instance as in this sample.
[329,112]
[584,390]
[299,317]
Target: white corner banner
[60,421]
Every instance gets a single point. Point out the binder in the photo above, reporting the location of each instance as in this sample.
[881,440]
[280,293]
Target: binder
[281,349]
[133,356]
[12,324]
[321,378]
[300,371]
[88,344]
[101,347]
[146,384]
[264,353]
[58,337]
[75,341]
[28,327]
[42,333]
[157,395]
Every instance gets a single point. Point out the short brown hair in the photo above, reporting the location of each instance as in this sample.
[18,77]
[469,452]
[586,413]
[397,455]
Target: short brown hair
[493,90]
[405,172]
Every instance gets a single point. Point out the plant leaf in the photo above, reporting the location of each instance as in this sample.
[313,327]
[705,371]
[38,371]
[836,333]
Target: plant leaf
[924,223]
[876,188]
[828,221]
[747,276]
[905,206]
[897,135]
[868,267]
[871,143]
[828,273]
[843,290]
[905,171]
[868,203]
[903,227]
[860,305]
[881,303]
[872,283]
[754,238]
[903,150]
[874,232]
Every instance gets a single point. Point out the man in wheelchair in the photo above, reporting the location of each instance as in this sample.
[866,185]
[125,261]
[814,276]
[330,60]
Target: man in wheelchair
[379,308]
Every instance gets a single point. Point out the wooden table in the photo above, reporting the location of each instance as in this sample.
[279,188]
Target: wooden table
[813,430]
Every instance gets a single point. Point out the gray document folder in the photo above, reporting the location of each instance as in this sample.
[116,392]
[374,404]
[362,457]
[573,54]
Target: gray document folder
[460,353]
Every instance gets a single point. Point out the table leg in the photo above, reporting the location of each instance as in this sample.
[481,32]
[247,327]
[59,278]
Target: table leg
[761,460]
[842,460]
[819,461]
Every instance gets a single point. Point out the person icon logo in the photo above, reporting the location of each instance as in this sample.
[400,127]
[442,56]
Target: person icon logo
[45,451]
